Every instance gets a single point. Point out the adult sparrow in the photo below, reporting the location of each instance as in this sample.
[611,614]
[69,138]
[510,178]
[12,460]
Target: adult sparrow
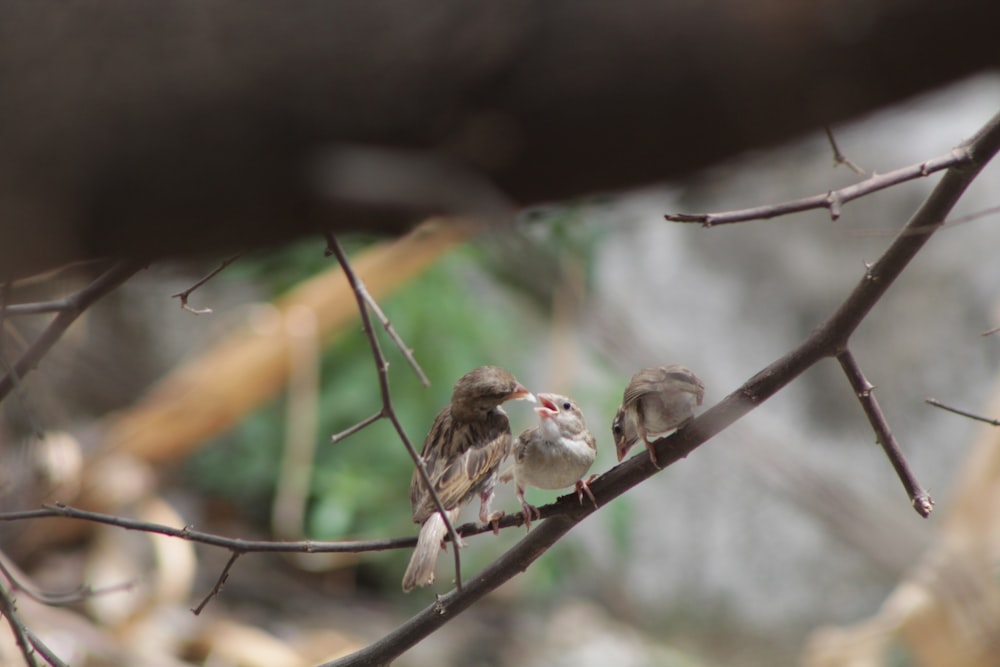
[656,401]
[468,440]
[555,454]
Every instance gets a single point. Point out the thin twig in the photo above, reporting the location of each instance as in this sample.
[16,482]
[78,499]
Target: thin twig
[839,157]
[9,610]
[406,351]
[77,303]
[19,392]
[979,418]
[39,307]
[245,546]
[990,332]
[863,390]
[183,296]
[43,650]
[826,340]
[56,599]
[403,348]
[381,367]
[830,200]
[219,583]
[367,421]
[947,224]
[210,539]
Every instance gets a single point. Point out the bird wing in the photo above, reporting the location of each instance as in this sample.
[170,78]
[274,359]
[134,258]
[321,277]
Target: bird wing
[642,383]
[650,380]
[459,458]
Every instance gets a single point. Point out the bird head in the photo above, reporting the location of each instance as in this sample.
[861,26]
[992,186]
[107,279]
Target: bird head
[483,389]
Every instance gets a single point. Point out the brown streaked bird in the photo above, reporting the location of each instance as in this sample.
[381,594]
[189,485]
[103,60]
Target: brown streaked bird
[468,440]
[657,401]
[553,455]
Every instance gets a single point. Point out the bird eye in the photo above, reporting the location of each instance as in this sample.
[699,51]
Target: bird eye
[567,405]
[617,428]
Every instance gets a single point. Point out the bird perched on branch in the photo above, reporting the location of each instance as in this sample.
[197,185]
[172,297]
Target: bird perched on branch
[657,401]
[553,455]
[467,442]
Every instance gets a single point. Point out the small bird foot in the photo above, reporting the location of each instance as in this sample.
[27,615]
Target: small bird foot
[583,487]
[530,513]
[494,521]
[652,455]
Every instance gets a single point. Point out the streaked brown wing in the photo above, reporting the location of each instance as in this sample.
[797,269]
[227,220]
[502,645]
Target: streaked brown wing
[431,455]
[466,473]
[459,458]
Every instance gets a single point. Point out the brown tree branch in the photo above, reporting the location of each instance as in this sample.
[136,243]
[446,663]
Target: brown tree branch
[6,368]
[76,304]
[829,339]
[382,366]
[404,349]
[27,642]
[863,391]
[831,200]
[233,544]
[8,609]
[219,583]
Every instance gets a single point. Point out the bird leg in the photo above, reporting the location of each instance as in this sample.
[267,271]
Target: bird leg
[583,487]
[529,511]
[649,446]
[652,453]
[485,515]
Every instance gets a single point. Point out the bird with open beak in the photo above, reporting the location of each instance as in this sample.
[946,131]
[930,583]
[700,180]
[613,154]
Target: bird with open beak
[553,455]
[467,442]
[657,401]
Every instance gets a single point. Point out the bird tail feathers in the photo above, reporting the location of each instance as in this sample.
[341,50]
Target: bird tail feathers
[420,571]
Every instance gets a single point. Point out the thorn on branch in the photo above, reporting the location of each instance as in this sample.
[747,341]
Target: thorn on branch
[869,274]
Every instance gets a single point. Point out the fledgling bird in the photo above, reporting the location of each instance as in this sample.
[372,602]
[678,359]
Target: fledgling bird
[657,401]
[468,441]
[553,455]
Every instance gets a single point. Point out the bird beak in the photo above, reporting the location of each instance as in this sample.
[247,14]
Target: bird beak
[548,407]
[521,393]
